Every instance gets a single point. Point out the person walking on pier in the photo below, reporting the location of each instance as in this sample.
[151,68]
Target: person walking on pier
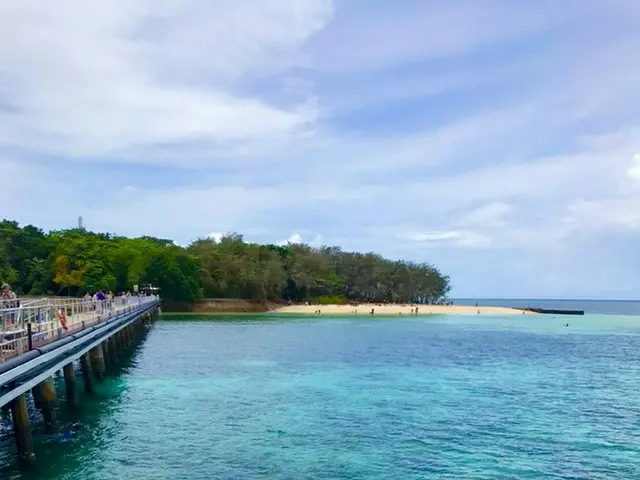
[9,299]
[100,299]
[86,302]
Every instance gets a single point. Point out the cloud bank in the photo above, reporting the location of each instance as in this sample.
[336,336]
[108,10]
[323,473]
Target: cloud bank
[499,143]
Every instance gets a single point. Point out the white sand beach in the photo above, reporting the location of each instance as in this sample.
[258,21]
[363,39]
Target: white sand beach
[400,309]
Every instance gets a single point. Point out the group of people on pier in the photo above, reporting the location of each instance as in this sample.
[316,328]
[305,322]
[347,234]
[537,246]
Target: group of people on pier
[102,301]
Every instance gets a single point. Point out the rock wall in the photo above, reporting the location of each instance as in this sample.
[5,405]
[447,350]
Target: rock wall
[219,305]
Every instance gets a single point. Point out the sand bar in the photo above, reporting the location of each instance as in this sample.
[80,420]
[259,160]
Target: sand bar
[397,309]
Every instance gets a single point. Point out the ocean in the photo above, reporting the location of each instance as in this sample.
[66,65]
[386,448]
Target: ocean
[457,397]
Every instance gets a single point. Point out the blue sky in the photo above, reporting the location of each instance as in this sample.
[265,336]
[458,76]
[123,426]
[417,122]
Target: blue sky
[498,140]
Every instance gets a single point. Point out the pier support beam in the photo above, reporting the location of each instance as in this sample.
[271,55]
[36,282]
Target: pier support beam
[105,353]
[21,429]
[70,383]
[46,400]
[117,341]
[87,374]
[97,361]
[113,350]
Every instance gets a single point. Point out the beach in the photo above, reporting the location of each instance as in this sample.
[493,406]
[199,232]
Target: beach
[400,309]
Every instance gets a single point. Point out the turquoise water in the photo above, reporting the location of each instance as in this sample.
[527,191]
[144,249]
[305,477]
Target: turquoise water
[362,398]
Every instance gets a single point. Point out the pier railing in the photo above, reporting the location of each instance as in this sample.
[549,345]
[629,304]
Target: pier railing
[39,322]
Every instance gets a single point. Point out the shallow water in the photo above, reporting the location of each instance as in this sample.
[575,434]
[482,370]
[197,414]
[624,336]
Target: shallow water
[362,398]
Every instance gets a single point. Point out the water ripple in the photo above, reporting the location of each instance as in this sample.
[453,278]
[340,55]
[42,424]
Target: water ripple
[415,399]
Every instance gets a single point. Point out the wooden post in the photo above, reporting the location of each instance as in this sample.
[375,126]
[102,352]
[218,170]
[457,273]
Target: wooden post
[70,383]
[113,351]
[105,353]
[46,400]
[37,398]
[29,336]
[117,342]
[87,374]
[21,429]
[97,361]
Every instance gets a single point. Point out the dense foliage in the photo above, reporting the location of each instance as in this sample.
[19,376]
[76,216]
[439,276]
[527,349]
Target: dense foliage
[71,262]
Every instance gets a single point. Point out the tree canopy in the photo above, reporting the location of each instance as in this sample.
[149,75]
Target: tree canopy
[72,262]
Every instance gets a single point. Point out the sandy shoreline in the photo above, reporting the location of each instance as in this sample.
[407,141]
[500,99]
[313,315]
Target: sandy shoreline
[396,309]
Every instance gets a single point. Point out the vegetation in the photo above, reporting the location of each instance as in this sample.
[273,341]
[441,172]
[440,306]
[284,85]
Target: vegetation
[71,262]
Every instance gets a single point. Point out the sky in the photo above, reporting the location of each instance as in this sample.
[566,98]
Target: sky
[497,140]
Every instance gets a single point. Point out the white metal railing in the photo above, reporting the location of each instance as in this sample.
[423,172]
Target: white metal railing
[39,322]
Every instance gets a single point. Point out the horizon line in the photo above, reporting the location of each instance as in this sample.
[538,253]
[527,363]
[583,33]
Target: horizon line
[544,298]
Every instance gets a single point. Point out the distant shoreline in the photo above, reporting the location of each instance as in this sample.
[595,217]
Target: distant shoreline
[399,310]
[238,306]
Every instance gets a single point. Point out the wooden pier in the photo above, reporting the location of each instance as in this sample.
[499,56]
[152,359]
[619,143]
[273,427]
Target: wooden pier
[547,311]
[43,337]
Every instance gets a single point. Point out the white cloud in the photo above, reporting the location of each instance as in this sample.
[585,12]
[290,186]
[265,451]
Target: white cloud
[283,116]
[634,169]
[89,79]
[316,241]
[293,240]
[296,239]
[451,238]
[617,211]
[432,236]
[215,236]
[614,213]
[428,31]
[490,215]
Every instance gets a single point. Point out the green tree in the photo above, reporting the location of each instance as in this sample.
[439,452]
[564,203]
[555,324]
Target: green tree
[74,261]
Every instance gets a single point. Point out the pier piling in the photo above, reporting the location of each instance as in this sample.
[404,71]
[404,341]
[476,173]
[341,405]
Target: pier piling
[97,362]
[21,429]
[70,383]
[46,400]
[87,374]
[113,351]
[117,341]
[104,346]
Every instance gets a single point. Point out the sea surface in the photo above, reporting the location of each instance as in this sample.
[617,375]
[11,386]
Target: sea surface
[433,397]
